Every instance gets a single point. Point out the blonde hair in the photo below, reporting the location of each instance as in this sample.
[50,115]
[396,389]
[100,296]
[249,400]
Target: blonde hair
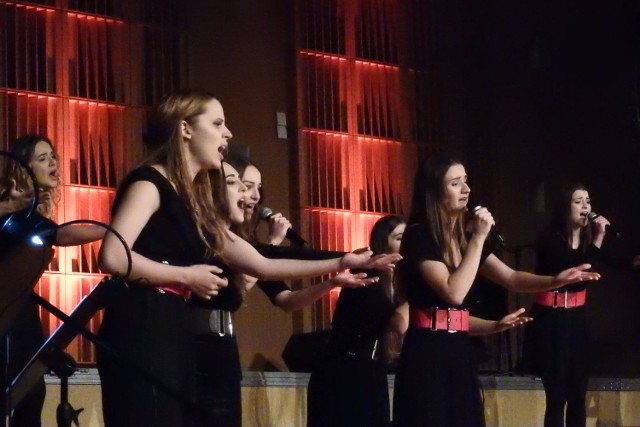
[163,141]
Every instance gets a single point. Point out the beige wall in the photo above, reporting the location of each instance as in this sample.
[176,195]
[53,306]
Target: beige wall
[279,400]
[240,51]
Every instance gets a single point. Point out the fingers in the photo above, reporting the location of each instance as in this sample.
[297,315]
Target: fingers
[213,269]
[361,250]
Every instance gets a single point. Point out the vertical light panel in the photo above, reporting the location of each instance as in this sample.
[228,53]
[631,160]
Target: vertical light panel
[84,73]
[356,152]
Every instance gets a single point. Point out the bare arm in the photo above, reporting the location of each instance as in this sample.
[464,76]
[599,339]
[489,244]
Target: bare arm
[394,334]
[243,257]
[521,281]
[453,287]
[73,235]
[294,300]
[478,326]
[139,203]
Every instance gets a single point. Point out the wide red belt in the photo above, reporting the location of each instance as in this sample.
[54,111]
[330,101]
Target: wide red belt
[439,319]
[557,299]
[180,290]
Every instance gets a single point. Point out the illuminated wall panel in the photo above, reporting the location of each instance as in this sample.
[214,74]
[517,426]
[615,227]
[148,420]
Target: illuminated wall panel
[84,73]
[356,150]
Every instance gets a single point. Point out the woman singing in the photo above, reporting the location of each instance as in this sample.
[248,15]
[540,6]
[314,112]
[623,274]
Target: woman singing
[436,381]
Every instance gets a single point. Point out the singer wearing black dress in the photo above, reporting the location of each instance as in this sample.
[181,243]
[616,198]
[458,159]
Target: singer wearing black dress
[556,346]
[169,214]
[436,380]
[26,336]
[349,386]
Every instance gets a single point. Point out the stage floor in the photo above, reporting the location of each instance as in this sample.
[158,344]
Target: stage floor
[279,399]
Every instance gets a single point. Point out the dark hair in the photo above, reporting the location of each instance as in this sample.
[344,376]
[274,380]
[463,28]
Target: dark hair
[379,243]
[426,203]
[248,228]
[560,220]
[24,148]
[379,237]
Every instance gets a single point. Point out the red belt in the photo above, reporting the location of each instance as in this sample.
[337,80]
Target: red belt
[180,290]
[557,299]
[439,319]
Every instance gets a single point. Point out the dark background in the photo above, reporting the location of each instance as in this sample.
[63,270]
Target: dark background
[530,94]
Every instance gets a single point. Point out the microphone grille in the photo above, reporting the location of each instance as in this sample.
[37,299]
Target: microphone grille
[264,212]
[592,215]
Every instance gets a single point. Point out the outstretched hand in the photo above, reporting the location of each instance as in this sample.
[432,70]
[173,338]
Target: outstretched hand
[348,280]
[512,320]
[574,275]
[362,259]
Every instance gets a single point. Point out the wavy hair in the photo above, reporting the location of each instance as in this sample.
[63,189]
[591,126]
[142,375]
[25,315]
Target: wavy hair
[163,141]
[24,148]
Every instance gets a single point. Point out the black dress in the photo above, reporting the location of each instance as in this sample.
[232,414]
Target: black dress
[557,343]
[349,387]
[17,347]
[437,383]
[194,377]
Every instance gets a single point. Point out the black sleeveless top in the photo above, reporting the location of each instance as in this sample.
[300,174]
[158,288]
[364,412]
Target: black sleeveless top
[418,245]
[171,235]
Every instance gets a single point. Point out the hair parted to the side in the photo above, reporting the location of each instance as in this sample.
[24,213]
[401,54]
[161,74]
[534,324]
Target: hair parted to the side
[560,220]
[247,230]
[163,139]
[24,148]
[427,208]
[379,244]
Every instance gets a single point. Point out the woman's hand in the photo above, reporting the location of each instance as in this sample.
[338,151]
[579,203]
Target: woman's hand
[278,226]
[574,275]
[348,280]
[203,280]
[362,258]
[482,222]
[599,225]
[512,320]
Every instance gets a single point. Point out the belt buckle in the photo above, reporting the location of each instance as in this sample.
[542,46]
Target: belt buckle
[566,300]
[451,331]
[227,321]
[434,318]
[216,322]
[373,351]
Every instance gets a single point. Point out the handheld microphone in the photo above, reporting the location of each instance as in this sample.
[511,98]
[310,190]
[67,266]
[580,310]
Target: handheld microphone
[265,214]
[493,233]
[609,228]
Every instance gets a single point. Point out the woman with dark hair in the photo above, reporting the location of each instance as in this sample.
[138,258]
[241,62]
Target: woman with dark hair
[17,190]
[349,386]
[436,380]
[181,249]
[556,346]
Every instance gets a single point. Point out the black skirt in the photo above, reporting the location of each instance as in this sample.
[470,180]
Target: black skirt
[436,382]
[144,383]
[348,391]
[556,344]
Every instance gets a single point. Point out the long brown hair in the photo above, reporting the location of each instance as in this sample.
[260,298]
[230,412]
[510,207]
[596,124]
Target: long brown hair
[23,148]
[163,141]
[427,209]
[246,230]
[379,244]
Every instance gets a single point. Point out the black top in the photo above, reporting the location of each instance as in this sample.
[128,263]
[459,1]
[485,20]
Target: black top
[273,288]
[554,255]
[362,311]
[418,245]
[171,235]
